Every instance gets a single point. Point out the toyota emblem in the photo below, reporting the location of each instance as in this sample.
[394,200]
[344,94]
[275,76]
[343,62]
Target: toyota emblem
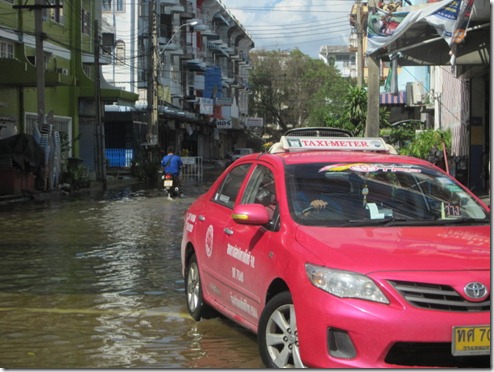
[475,290]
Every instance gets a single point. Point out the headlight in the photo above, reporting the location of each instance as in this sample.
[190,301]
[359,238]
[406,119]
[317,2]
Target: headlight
[344,283]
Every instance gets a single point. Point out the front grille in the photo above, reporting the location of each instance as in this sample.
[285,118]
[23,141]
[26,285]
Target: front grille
[432,354]
[438,297]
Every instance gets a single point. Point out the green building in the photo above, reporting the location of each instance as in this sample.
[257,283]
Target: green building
[70,45]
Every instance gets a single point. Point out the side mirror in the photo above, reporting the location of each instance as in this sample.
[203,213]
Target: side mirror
[250,214]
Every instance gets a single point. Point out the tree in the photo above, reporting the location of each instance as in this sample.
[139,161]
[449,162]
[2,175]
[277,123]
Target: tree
[355,109]
[428,144]
[294,90]
[355,115]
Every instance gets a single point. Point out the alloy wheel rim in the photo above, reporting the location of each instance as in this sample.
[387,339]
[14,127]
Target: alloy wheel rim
[193,287]
[282,338]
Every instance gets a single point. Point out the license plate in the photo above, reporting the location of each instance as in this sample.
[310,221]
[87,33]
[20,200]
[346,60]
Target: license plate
[168,183]
[474,340]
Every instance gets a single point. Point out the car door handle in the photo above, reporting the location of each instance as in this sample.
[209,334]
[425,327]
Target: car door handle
[228,231]
[201,218]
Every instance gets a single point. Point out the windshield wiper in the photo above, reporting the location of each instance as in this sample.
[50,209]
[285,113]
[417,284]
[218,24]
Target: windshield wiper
[390,221]
[462,221]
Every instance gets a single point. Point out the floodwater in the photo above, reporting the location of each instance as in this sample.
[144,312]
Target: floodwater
[94,281]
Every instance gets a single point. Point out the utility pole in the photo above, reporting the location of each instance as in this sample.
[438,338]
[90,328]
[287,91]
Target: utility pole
[152,67]
[99,128]
[360,54]
[40,57]
[372,121]
[40,61]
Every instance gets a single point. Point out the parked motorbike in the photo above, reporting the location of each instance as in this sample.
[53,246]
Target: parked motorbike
[170,185]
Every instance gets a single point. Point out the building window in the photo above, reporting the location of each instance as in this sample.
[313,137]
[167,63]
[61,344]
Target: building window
[6,49]
[120,53]
[85,22]
[56,13]
[116,5]
[106,5]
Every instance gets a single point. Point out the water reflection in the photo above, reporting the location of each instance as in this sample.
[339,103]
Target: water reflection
[95,282]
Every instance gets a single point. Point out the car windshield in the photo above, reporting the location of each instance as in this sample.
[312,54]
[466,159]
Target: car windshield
[371,194]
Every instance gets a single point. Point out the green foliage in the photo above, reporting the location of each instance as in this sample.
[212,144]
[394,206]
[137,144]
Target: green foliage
[76,175]
[294,90]
[146,165]
[401,135]
[426,143]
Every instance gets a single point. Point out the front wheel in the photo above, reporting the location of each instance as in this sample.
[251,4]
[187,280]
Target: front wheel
[277,334]
[193,289]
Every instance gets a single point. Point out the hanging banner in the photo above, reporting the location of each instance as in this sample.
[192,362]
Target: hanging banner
[384,28]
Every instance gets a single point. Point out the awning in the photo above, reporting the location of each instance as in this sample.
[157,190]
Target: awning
[392,99]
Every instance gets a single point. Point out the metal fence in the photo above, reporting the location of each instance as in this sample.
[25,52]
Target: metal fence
[119,157]
[192,170]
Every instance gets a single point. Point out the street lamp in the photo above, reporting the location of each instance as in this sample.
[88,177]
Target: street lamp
[192,22]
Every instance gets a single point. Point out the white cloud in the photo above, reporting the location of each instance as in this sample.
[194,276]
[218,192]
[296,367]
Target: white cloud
[291,24]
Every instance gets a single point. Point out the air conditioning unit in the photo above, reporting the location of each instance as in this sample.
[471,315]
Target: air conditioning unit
[415,94]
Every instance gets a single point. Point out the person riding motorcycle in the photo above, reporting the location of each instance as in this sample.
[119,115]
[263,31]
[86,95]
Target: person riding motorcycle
[172,164]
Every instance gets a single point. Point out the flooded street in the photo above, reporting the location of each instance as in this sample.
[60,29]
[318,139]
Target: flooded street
[94,281]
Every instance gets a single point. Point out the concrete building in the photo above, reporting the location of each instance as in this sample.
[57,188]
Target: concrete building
[342,57]
[120,77]
[49,80]
[188,62]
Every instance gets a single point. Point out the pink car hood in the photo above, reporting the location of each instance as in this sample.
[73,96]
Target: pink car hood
[371,249]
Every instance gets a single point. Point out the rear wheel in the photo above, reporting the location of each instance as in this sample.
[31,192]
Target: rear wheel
[193,289]
[277,334]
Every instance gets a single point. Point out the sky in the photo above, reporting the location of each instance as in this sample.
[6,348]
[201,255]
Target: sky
[293,24]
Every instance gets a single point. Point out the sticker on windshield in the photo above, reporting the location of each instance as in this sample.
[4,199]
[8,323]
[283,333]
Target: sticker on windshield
[367,167]
[450,211]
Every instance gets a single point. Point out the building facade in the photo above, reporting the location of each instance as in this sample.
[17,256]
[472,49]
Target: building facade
[118,75]
[49,79]
[188,62]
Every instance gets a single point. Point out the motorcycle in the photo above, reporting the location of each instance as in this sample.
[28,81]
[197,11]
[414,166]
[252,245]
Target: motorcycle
[171,185]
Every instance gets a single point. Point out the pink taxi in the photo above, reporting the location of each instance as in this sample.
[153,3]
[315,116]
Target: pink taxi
[339,253]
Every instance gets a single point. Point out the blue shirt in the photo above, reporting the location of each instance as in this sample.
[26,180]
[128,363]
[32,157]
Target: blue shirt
[173,166]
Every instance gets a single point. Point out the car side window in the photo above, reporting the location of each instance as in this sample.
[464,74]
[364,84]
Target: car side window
[261,190]
[228,190]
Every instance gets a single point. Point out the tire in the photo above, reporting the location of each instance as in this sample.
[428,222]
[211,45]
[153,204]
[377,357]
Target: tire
[277,334]
[193,290]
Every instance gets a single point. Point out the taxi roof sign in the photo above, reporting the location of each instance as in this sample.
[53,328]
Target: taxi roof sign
[289,143]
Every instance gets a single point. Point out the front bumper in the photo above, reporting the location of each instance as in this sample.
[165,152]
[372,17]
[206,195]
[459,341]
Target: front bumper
[381,336]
